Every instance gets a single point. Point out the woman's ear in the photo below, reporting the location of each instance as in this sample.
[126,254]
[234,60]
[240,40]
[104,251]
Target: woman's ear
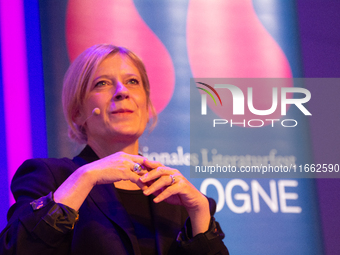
[78,117]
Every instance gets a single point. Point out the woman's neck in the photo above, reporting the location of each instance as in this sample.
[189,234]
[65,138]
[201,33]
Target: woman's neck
[104,149]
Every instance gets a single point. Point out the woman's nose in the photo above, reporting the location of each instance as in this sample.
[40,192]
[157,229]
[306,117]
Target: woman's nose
[121,92]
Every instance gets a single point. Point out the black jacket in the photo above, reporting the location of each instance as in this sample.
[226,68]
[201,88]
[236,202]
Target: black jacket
[103,227]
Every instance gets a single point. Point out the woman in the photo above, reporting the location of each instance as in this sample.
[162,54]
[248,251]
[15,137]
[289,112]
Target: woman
[108,199]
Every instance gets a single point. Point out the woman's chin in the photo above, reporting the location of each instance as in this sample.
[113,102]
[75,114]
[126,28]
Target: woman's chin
[123,135]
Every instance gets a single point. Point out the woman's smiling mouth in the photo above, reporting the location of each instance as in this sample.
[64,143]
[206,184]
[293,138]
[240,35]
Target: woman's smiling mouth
[121,112]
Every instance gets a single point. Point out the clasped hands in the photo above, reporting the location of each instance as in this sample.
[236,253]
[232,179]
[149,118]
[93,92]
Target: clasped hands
[165,183]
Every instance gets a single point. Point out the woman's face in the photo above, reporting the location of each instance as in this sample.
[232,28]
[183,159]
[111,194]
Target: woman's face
[117,90]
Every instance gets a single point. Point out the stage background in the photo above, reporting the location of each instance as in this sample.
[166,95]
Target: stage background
[179,40]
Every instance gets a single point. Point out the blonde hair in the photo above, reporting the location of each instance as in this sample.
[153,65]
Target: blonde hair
[78,79]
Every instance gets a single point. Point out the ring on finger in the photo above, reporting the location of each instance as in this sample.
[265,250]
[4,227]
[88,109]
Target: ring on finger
[173,179]
[137,168]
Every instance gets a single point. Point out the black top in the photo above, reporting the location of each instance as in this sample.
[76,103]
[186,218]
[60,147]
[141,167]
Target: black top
[137,206]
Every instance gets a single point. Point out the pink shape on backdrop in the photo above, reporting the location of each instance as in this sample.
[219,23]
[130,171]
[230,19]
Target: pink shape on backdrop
[105,21]
[227,40]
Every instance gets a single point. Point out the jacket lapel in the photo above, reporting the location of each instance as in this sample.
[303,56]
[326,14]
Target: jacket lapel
[108,201]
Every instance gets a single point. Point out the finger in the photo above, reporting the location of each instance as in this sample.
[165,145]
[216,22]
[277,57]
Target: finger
[157,173]
[135,179]
[145,163]
[138,169]
[163,182]
[166,193]
[133,162]
[135,159]
[151,164]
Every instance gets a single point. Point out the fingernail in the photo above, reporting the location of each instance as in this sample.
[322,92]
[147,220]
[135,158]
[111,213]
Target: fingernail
[142,178]
[146,192]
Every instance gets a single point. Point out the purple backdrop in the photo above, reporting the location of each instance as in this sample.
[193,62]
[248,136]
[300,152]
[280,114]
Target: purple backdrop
[320,42]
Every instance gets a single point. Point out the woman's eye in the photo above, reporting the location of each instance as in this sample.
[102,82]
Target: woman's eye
[101,83]
[133,81]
